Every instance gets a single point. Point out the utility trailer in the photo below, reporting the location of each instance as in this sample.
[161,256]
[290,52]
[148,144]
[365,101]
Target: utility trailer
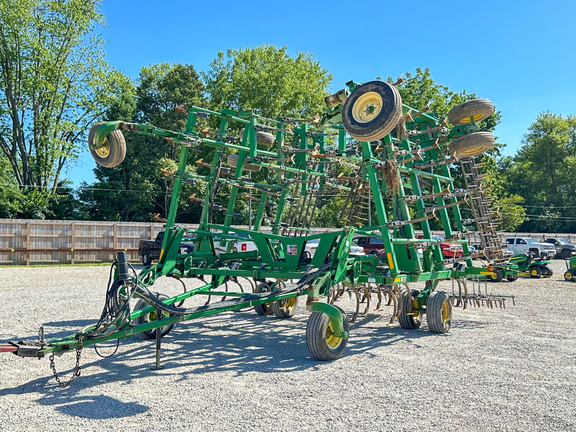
[387,164]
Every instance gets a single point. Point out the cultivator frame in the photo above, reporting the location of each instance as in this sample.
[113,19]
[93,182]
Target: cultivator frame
[368,150]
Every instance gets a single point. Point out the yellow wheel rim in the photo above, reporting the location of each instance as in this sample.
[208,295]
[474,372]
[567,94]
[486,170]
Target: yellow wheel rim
[290,303]
[104,151]
[367,107]
[331,340]
[473,151]
[534,272]
[568,275]
[475,118]
[445,312]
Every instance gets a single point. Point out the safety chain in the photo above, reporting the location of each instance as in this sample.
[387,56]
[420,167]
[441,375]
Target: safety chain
[75,373]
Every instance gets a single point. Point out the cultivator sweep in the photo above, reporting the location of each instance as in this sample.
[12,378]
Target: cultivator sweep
[384,165]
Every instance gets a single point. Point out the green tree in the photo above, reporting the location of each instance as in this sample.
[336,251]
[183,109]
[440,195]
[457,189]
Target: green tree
[54,81]
[542,172]
[267,78]
[136,189]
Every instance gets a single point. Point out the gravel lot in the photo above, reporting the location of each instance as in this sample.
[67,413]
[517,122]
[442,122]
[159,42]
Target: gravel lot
[496,370]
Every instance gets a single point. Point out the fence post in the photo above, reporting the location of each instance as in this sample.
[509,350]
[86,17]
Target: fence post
[72,243]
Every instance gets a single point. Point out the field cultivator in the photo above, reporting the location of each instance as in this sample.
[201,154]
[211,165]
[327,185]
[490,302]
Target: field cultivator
[387,167]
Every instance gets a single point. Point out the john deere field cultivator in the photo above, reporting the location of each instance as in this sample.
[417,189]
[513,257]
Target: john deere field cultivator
[385,164]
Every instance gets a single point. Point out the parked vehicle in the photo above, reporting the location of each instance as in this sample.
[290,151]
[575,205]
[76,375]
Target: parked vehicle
[244,243]
[370,245]
[570,274]
[563,248]
[312,245]
[449,250]
[525,245]
[149,250]
[531,265]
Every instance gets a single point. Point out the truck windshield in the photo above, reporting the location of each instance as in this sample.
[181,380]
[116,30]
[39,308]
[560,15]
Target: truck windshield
[529,240]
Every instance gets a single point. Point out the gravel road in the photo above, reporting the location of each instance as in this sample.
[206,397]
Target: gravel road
[510,369]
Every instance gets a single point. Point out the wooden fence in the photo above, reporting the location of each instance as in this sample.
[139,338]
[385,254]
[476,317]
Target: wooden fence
[26,242]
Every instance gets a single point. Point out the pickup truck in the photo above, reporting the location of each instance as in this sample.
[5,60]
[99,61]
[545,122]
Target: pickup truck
[525,245]
[150,249]
[563,249]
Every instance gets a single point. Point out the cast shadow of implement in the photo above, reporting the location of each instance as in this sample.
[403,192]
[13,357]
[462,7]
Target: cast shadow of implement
[240,342]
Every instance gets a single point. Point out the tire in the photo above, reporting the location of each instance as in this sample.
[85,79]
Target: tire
[565,254]
[264,308]
[146,258]
[471,145]
[233,162]
[151,334]
[321,343]
[535,272]
[439,312]
[568,275]
[114,150]
[478,109]
[511,278]
[409,322]
[262,138]
[546,271]
[285,308]
[372,111]
[498,277]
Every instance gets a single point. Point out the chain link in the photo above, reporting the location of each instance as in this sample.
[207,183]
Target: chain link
[75,373]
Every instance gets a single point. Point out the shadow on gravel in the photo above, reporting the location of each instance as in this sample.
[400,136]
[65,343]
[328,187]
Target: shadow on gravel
[240,343]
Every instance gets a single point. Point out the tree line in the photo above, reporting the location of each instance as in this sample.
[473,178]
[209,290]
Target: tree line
[55,84]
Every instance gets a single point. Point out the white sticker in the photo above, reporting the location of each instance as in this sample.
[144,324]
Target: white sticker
[292,250]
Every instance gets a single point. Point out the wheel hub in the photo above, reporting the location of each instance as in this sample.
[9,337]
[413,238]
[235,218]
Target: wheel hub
[331,340]
[367,107]
[103,151]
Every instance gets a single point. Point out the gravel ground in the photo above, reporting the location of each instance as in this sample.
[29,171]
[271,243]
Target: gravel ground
[496,370]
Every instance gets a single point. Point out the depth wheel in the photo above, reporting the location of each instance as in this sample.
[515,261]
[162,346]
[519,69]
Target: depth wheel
[232,160]
[264,308]
[114,150]
[439,312]
[372,111]
[152,316]
[262,138]
[409,318]
[473,110]
[285,308]
[471,145]
[320,338]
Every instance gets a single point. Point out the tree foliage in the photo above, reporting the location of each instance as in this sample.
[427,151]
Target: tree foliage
[54,81]
[542,172]
[267,78]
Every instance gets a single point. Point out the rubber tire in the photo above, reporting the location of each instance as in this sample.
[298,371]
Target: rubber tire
[565,254]
[232,160]
[146,259]
[499,276]
[407,321]
[285,308]
[316,331]
[151,334]
[537,270]
[568,276]
[263,309]
[511,278]
[434,312]
[262,138]
[116,147]
[481,109]
[546,271]
[384,122]
[471,145]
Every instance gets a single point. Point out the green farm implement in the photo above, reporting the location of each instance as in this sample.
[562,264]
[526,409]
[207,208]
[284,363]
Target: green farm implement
[385,164]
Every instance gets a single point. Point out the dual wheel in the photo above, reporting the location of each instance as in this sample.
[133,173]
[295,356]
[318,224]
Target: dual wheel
[438,312]
[281,308]
[152,316]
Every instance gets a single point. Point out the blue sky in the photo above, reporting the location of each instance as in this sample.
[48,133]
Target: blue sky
[519,54]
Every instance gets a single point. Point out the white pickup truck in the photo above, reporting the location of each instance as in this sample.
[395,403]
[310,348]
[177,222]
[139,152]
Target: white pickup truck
[526,245]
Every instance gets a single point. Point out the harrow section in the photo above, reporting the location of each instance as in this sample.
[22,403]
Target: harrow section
[384,165]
